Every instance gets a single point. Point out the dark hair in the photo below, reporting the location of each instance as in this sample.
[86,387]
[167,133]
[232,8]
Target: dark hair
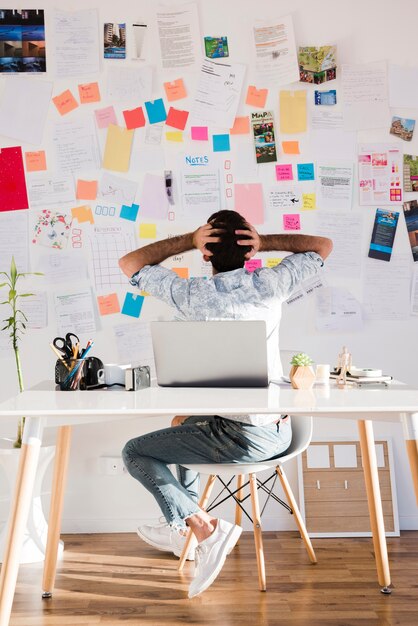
[227,255]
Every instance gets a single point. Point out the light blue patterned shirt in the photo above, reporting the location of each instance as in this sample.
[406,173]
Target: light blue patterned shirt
[238,294]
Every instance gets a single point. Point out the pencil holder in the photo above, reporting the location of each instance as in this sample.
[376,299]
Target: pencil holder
[69,374]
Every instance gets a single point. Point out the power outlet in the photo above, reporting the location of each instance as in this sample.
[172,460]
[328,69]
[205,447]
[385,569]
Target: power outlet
[111,465]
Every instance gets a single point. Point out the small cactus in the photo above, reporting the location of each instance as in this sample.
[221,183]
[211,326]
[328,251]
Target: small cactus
[301,359]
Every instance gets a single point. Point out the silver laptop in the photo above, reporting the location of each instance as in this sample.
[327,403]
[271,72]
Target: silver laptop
[210,354]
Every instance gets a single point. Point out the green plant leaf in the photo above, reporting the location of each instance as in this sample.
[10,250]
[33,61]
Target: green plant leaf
[3,284]
[12,294]
[25,295]
[13,270]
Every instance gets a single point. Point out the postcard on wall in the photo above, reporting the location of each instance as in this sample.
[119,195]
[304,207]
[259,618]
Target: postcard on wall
[380,174]
[275,49]
[317,64]
[262,124]
[22,40]
[410,173]
[410,210]
[216,47]
[114,41]
[402,127]
[52,229]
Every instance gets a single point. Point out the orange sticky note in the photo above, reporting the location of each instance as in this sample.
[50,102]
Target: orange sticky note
[65,102]
[256,97]
[241,126]
[83,214]
[86,189]
[175,90]
[35,161]
[89,92]
[290,147]
[108,304]
[183,272]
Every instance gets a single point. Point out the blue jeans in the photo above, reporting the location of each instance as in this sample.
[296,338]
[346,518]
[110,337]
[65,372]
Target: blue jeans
[200,439]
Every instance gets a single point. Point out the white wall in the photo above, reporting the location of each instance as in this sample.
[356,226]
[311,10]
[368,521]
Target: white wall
[364,32]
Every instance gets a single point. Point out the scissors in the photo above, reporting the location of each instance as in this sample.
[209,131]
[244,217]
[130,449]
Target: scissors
[66,346]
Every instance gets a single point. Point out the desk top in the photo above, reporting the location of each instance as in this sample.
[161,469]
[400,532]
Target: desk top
[102,405]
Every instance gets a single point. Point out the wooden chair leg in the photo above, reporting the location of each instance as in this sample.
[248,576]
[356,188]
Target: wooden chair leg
[238,510]
[202,503]
[258,538]
[298,517]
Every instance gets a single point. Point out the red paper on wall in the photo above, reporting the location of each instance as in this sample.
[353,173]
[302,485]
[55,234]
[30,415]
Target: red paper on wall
[13,194]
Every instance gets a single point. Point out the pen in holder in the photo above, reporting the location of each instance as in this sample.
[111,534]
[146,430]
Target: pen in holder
[69,374]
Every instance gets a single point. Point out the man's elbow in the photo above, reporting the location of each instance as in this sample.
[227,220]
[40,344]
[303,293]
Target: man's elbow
[126,266]
[326,247]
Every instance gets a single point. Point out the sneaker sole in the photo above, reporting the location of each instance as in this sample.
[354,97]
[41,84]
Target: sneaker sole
[232,539]
[190,557]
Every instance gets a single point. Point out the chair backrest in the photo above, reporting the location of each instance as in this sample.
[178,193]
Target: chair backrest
[302,428]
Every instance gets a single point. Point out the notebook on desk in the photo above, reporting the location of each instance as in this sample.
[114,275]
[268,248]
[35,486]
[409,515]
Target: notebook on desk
[210,354]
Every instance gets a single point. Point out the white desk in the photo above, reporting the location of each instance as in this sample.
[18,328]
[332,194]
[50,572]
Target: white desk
[43,407]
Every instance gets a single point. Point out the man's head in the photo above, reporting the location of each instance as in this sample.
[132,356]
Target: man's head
[227,255]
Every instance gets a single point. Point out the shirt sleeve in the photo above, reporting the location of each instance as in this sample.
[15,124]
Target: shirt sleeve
[292,271]
[162,283]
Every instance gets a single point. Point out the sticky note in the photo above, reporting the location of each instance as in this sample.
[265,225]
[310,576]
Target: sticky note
[308,201]
[177,118]
[292,111]
[290,147]
[148,231]
[221,143]
[273,261]
[183,272]
[89,92]
[199,133]
[241,126]
[86,189]
[175,90]
[117,152]
[306,171]
[132,305]
[256,97]
[129,212]
[83,214]
[105,116]
[174,135]
[249,201]
[134,118]
[291,221]
[284,172]
[65,102]
[108,304]
[156,111]
[35,161]
[253,264]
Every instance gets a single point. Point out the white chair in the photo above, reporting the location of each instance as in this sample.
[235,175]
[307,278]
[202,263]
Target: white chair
[301,438]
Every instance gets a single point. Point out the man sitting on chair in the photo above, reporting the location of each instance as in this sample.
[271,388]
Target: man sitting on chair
[227,241]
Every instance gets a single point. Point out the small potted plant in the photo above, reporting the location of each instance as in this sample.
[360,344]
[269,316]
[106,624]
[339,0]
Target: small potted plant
[302,375]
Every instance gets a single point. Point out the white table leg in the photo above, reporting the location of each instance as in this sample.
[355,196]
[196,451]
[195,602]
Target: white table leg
[410,426]
[368,454]
[29,454]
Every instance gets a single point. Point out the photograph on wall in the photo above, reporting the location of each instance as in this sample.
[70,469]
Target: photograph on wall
[114,41]
[410,173]
[22,40]
[402,127]
[380,174]
[317,64]
[262,124]
[216,47]
[410,211]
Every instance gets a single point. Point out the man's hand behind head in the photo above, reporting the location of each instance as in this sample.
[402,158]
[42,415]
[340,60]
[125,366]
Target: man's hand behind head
[252,239]
[203,235]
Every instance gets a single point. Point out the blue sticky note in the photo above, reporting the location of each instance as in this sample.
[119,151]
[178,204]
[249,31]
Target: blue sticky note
[221,143]
[129,212]
[132,305]
[306,171]
[156,111]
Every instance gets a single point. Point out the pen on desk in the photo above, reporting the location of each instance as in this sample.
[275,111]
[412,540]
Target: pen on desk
[59,355]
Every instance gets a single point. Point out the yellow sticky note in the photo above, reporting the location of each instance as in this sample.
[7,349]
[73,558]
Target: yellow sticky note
[293,111]
[290,147]
[174,135]
[183,272]
[83,214]
[117,153]
[272,262]
[148,231]
[308,201]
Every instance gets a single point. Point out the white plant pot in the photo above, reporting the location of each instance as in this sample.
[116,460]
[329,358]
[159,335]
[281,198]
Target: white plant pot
[34,543]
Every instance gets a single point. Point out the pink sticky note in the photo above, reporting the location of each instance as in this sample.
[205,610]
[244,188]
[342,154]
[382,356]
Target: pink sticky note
[177,118]
[256,97]
[253,264]
[291,221]
[89,92]
[108,304]
[86,189]
[105,116]
[241,126]
[284,172]
[249,201]
[175,90]
[199,133]
[65,102]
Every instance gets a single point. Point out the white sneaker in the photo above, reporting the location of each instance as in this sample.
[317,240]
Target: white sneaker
[166,538]
[211,554]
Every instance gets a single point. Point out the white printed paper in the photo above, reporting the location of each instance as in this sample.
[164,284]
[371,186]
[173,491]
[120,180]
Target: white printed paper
[323,119]
[386,288]
[337,310]
[200,193]
[76,146]
[36,310]
[115,189]
[134,344]
[74,312]
[24,107]
[335,186]
[14,240]
[76,39]
[275,49]
[108,245]
[345,230]
[365,96]
[46,190]
[63,268]
[179,35]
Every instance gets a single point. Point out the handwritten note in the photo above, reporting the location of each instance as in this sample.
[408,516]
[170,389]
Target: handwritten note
[65,102]
[284,172]
[306,171]
[256,97]
[175,90]
[89,92]
[253,264]
[273,261]
[105,116]
[308,201]
[291,221]
[109,304]
[35,161]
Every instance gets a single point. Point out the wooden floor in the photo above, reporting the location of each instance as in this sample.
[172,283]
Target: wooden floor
[116,579]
